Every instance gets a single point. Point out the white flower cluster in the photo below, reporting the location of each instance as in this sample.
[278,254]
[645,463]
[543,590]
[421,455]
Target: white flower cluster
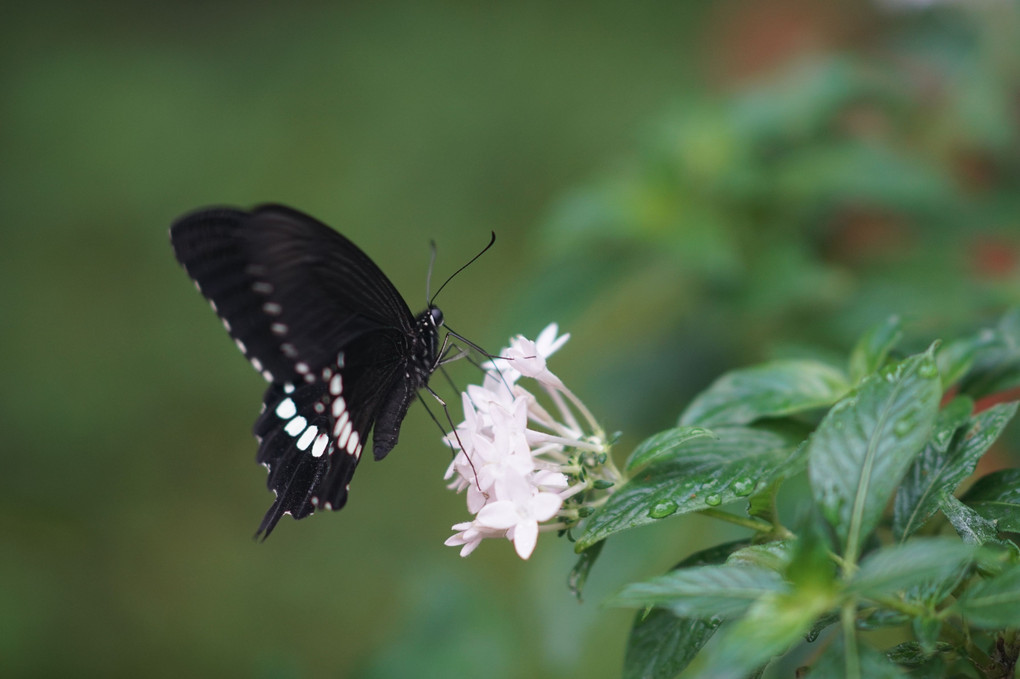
[518,462]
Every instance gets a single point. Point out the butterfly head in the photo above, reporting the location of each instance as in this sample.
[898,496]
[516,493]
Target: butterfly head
[435,316]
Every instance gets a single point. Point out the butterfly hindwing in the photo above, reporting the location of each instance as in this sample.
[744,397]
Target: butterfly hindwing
[295,472]
[326,328]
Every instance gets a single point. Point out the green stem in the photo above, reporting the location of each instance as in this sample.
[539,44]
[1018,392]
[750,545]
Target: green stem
[892,603]
[852,664]
[585,413]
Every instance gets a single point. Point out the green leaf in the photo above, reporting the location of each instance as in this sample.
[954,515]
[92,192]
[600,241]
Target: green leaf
[860,172]
[910,653]
[929,594]
[927,629]
[872,664]
[953,416]
[774,555]
[996,497]
[579,573]
[770,390]
[936,473]
[973,528]
[662,446]
[762,503]
[895,568]
[705,472]
[773,624]
[956,358]
[704,591]
[862,448]
[874,346]
[811,566]
[819,625]
[661,644]
[714,555]
[994,602]
[996,363]
[880,618]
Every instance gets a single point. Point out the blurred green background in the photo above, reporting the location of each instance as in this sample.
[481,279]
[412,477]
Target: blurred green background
[685,187]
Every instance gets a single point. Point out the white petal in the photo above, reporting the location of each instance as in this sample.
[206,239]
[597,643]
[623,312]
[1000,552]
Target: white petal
[548,343]
[525,537]
[545,505]
[549,480]
[499,515]
[476,499]
[469,547]
[512,487]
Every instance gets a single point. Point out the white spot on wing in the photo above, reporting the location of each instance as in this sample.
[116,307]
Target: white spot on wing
[339,406]
[339,426]
[345,435]
[262,287]
[286,409]
[296,426]
[256,363]
[320,445]
[352,443]
[240,345]
[288,388]
[272,308]
[336,385]
[340,360]
[301,367]
[278,328]
[306,438]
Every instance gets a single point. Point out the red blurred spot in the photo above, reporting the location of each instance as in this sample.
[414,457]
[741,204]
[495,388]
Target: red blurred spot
[745,40]
[993,257]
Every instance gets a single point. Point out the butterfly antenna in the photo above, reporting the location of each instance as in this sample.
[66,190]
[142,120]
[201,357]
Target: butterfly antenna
[470,262]
[428,277]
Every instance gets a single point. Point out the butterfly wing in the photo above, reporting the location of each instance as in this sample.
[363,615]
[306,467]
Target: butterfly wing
[324,325]
[290,290]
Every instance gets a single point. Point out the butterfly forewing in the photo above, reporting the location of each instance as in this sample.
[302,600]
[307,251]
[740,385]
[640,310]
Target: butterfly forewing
[326,328]
[290,289]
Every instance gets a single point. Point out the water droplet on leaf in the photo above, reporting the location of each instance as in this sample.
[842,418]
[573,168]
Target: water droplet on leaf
[662,510]
[713,500]
[903,427]
[743,487]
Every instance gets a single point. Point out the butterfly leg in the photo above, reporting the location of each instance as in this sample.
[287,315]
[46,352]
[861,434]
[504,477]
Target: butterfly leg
[453,427]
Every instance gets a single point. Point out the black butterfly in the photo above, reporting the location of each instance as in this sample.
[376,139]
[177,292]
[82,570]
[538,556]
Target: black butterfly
[341,350]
